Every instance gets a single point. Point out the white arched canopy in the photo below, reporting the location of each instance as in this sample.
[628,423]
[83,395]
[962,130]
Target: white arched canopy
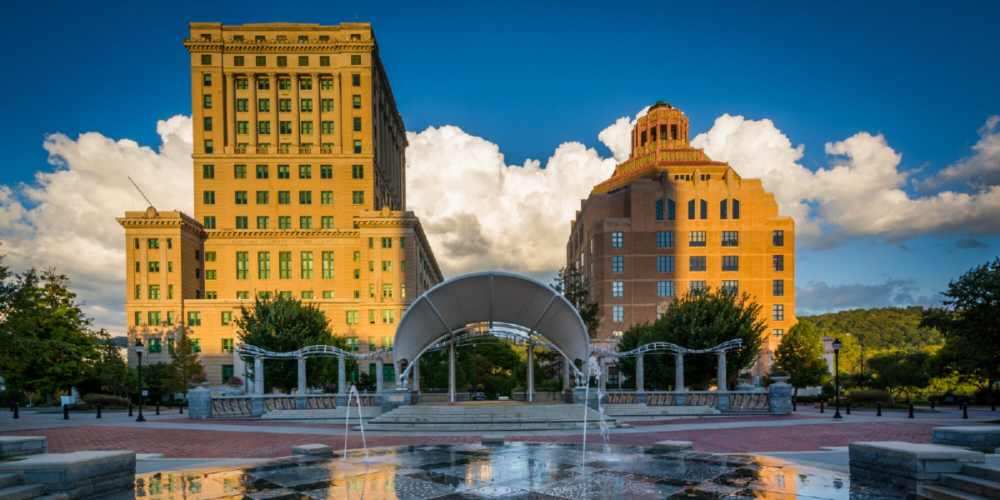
[488,298]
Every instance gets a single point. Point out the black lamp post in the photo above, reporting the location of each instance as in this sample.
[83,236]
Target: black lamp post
[836,369]
[139,348]
[473,367]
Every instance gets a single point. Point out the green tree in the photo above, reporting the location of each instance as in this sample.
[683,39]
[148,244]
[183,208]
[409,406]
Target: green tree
[898,371]
[184,362]
[112,370]
[698,321]
[800,353]
[970,321]
[573,285]
[282,324]
[878,329]
[498,367]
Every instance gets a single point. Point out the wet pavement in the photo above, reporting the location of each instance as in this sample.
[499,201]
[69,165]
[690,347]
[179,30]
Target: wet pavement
[515,471]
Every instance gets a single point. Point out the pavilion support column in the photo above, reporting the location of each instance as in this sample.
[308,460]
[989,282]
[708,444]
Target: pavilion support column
[258,375]
[302,376]
[415,375]
[679,374]
[451,371]
[721,374]
[378,376]
[640,385]
[341,377]
[602,381]
[566,384]
[530,396]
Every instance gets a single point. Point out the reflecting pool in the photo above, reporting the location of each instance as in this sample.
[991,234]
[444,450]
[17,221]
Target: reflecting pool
[521,471]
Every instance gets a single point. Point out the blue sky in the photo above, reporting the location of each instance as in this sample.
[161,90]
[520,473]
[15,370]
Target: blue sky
[531,76]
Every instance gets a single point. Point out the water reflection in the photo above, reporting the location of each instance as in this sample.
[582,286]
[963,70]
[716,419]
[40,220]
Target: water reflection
[516,471]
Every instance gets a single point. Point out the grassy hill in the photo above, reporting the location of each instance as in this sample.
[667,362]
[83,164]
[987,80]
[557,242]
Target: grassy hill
[885,328]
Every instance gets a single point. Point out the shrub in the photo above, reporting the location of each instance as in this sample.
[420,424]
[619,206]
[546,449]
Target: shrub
[107,401]
[870,397]
[479,388]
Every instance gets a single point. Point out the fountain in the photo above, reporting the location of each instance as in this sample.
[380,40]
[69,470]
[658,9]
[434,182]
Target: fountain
[347,420]
[593,369]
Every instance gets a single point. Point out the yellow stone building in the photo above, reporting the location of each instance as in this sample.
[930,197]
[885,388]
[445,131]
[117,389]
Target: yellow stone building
[671,219]
[300,190]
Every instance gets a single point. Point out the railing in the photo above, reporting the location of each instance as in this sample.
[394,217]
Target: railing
[326,151]
[262,151]
[305,151]
[240,151]
[282,151]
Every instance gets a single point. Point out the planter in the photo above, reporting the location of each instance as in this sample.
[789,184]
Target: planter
[780,380]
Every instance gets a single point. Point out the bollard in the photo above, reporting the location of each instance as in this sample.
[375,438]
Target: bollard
[878,411]
[181,407]
[932,404]
[15,411]
[821,406]
[794,408]
[848,407]
[98,410]
[993,404]
[65,412]
[911,411]
[130,408]
[965,410]
[157,407]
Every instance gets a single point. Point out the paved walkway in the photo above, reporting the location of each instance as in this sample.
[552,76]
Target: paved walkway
[178,437]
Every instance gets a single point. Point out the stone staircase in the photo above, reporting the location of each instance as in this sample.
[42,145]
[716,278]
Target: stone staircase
[976,482]
[639,412]
[486,416]
[11,488]
[336,416]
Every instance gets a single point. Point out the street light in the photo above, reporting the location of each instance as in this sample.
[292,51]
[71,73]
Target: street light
[139,348]
[836,369]
[861,340]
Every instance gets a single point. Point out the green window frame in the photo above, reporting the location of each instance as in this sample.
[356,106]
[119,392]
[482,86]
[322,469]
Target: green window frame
[326,83]
[153,318]
[263,128]
[305,197]
[326,197]
[284,105]
[282,61]
[261,61]
[324,60]
[242,83]
[357,171]
[194,319]
[328,265]
[138,318]
[305,172]
[357,124]
[326,105]
[307,265]
[357,146]
[242,105]
[285,127]
[285,265]
[305,83]
[357,101]
[284,222]
[264,265]
[262,197]
[355,60]
[239,171]
[328,294]
[154,292]
[210,274]
[284,84]
[359,197]
[207,101]
[208,171]
[356,79]
[327,222]
[307,127]
[305,222]
[264,105]
[241,222]
[242,265]
[209,222]
[284,197]
[263,222]
[241,197]
[326,171]
[262,171]
[327,127]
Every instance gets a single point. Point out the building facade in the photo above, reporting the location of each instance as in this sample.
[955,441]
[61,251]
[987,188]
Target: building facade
[669,220]
[299,190]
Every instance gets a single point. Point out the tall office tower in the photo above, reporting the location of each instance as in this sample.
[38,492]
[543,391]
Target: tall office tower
[299,190]
[670,220]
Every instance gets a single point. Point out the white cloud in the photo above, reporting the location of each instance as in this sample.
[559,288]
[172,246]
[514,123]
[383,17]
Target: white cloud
[859,195]
[66,217]
[820,297]
[983,167]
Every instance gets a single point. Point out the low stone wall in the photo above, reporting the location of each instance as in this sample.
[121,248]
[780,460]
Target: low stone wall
[79,474]
[780,399]
[979,438]
[19,446]
[909,465]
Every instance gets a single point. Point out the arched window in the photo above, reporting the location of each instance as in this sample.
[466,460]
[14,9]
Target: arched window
[722,209]
[691,210]
[704,209]
[736,209]
[659,209]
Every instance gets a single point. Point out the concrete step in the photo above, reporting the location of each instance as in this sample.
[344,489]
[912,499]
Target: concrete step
[982,471]
[55,496]
[975,485]
[367,413]
[487,417]
[938,492]
[22,492]
[9,480]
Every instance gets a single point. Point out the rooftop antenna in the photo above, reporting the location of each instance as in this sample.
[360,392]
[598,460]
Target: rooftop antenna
[140,191]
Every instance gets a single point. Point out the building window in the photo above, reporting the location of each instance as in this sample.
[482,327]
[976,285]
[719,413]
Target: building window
[242,265]
[730,262]
[778,288]
[153,318]
[284,197]
[209,148]
[284,222]
[359,197]
[617,289]
[664,263]
[326,197]
[778,262]
[209,256]
[704,209]
[671,210]
[356,80]
[388,317]
[284,265]
[357,124]
[305,222]
[326,105]
[357,146]
[659,209]
[285,127]
[723,209]
[664,239]
[304,61]
[355,60]
[282,61]
[690,209]
[778,333]
[730,287]
[261,61]
[263,128]
[697,239]
[264,265]
[617,264]
[241,222]
[210,274]
[730,238]
[357,171]
[698,287]
[208,124]
[778,312]
[327,127]
[386,265]
[618,314]
[697,263]
[194,318]
[262,197]
[305,172]
[241,197]
[328,265]
[208,197]
[328,294]
[324,61]
[206,59]
[263,222]
[386,242]
[357,102]
[307,265]
[209,222]
[616,239]
[386,291]
[664,288]
[326,171]
[778,238]
[239,171]
[736,209]
[305,197]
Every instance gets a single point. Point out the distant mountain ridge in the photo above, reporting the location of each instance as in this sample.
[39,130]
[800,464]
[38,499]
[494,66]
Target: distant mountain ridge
[884,328]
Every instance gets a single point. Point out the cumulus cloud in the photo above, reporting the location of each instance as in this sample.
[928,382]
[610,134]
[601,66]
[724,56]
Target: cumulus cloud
[859,195]
[983,167]
[66,217]
[820,297]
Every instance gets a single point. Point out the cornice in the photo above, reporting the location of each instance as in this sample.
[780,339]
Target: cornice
[283,234]
[183,225]
[274,46]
